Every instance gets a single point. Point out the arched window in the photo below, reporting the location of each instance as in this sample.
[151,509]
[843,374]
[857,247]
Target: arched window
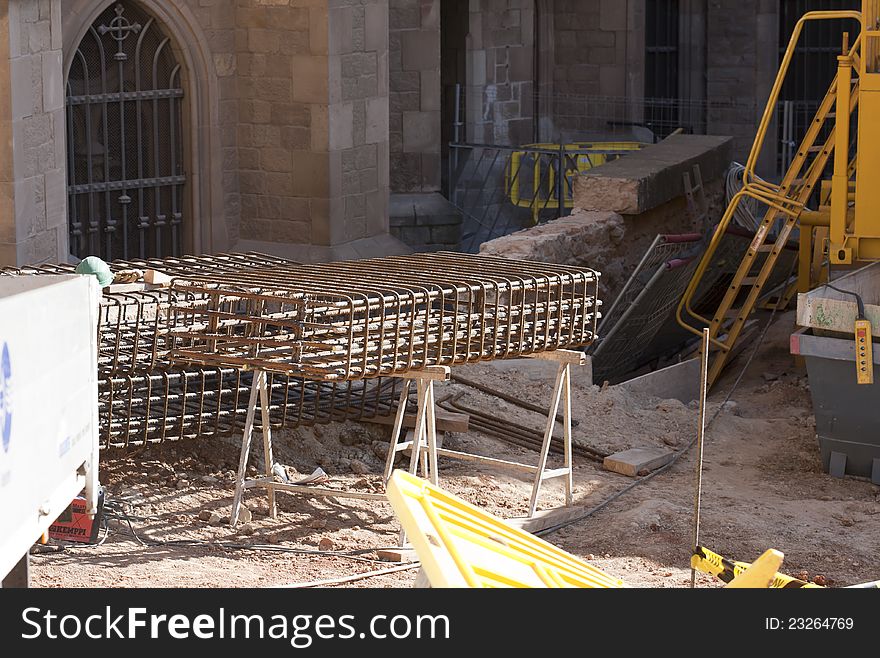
[126,174]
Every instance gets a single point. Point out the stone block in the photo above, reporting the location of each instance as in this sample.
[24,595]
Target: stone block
[319,32]
[521,63]
[637,461]
[53,81]
[310,79]
[376,26]
[341,30]
[292,232]
[341,126]
[476,60]
[274,158]
[420,50]
[22,91]
[612,15]
[55,182]
[376,120]
[644,180]
[421,132]
[310,174]
[430,91]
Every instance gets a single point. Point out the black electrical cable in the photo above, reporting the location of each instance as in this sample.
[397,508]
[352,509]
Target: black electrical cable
[859,302]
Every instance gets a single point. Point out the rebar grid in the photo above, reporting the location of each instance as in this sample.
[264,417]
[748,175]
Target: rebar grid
[166,405]
[357,319]
[144,399]
[129,338]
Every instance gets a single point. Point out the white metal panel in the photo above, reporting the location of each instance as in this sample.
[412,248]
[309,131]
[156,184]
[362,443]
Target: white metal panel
[48,404]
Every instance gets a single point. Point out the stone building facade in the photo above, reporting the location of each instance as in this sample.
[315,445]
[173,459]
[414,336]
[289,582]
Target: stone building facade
[303,125]
[284,124]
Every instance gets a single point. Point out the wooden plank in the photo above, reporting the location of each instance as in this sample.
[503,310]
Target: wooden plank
[547,518]
[312,491]
[433,373]
[573,357]
[632,462]
[446,421]
[467,456]
[553,473]
[398,555]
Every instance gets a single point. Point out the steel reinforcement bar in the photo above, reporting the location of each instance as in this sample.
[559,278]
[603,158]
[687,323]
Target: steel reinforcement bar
[359,319]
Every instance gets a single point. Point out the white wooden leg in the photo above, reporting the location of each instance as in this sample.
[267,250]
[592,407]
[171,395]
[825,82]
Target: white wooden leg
[245,448]
[398,426]
[268,458]
[416,449]
[548,436]
[566,412]
[432,434]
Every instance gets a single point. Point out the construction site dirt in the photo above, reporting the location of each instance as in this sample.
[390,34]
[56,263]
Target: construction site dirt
[763,487]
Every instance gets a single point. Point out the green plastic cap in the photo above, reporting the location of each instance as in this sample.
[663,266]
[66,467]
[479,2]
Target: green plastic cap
[96,267]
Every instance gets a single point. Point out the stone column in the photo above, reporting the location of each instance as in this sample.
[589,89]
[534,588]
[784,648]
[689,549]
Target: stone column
[33,194]
[415,95]
[313,133]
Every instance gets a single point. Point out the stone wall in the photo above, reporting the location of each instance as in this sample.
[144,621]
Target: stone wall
[500,72]
[414,60]
[33,197]
[610,232]
[594,54]
[282,72]
[313,120]
[741,66]
[217,19]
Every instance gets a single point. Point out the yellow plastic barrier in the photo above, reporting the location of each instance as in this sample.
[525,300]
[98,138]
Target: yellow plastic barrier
[460,545]
[579,158]
[729,571]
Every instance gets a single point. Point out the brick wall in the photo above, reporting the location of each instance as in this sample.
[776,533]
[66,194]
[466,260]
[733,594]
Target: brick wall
[33,198]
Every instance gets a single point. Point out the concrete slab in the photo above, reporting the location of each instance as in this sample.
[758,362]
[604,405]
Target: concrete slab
[679,382]
[636,460]
[649,178]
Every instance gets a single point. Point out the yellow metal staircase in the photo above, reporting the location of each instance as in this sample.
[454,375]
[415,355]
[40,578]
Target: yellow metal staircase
[785,201]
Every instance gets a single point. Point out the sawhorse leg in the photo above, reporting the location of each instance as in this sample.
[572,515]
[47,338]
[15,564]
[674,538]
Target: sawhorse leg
[259,395]
[561,393]
[423,445]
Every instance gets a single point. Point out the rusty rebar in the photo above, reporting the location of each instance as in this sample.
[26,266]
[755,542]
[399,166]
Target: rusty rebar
[360,319]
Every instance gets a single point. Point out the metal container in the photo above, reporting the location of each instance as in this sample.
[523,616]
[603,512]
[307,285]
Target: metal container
[847,418]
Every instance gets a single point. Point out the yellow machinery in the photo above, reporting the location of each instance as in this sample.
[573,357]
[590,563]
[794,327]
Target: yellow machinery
[845,228]
[545,187]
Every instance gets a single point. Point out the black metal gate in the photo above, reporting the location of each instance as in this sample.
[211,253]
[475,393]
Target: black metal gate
[126,173]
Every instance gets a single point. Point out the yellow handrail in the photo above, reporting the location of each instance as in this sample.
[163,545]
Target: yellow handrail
[770,109]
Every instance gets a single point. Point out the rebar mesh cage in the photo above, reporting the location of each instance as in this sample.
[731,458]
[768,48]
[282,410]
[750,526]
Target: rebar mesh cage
[351,320]
[144,398]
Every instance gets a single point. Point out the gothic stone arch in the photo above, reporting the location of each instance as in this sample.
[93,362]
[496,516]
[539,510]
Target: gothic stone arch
[206,230]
